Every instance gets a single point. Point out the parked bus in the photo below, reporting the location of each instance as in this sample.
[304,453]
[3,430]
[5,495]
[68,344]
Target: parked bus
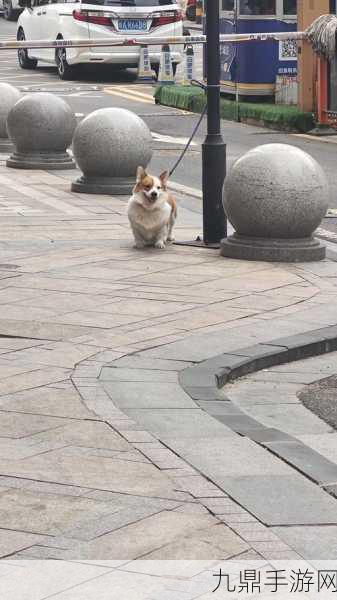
[252,68]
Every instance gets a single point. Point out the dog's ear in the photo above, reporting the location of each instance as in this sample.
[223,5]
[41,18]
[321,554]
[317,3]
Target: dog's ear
[164,178]
[141,173]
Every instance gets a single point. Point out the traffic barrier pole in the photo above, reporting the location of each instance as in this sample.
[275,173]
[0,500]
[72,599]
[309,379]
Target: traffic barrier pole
[165,75]
[145,72]
[322,91]
[189,66]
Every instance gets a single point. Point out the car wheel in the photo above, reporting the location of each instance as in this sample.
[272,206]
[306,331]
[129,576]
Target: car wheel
[65,71]
[24,61]
[9,13]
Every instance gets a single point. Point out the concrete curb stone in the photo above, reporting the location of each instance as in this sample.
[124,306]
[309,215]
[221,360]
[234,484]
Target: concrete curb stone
[203,382]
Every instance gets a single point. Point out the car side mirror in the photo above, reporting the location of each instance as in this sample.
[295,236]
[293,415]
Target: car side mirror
[25,3]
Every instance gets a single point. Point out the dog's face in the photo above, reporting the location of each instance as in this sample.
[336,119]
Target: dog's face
[152,188]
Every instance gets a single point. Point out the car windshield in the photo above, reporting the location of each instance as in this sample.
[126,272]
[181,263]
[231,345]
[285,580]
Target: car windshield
[144,3]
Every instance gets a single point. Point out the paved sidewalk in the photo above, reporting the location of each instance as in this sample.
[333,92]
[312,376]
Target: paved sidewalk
[103,456]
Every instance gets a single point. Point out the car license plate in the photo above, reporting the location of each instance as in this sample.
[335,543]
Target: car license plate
[132,25]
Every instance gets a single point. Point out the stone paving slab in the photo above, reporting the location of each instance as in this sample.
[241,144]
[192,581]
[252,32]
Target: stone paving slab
[286,500]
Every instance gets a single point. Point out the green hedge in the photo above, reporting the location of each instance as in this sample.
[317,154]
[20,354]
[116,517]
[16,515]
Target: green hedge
[271,115]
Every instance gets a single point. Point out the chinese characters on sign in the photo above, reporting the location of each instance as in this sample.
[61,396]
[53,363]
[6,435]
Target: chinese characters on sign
[250,581]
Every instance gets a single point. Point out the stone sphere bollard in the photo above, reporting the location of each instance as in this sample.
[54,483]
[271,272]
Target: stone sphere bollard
[275,196]
[41,127]
[109,145]
[9,95]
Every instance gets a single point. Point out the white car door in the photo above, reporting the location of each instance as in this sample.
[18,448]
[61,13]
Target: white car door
[40,28]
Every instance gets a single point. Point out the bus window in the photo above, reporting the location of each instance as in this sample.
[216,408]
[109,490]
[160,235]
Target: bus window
[227,5]
[290,7]
[257,7]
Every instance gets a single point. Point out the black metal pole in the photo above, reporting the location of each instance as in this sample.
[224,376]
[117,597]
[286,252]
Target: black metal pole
[214,148]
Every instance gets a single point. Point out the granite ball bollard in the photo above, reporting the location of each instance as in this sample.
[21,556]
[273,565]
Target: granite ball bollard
[275,196]
[109,145]
[41,127]
[9,95]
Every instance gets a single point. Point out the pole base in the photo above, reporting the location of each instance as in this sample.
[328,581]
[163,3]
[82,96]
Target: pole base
[41,160]
[198,243]
[109,186]
[272,250]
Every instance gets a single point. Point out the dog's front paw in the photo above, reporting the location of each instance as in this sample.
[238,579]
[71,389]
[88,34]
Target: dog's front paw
[139,245]
[160,244]
[170,238]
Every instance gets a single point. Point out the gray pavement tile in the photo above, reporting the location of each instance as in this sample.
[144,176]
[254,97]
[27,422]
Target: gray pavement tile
[218,458]
[331,489]
[33,379]
[198,487]
[219,407]
[222,504]
[306,460]
[91,529]
[242,424]
[94,434]
[47,514]
[13,541]
[47,401]
[183,423]
[137,375]
[139,362]
[268,435]
[293,419]
[17,425]
[313,543]
[42,331]
[284,377]
[325,444]
[218,542]
[286,500]
[149,534]
[40,553]
[205,393]
[148,395]
[137,435]
[198,376]
[93,472]
[232,518]
[260,350]
[247,392]
[54,576]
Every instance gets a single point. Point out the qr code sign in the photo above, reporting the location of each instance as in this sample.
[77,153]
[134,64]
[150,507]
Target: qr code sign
[288,50]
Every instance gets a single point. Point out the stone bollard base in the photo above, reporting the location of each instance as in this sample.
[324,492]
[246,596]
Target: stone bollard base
[110,186]
[41,160]
[6,146]
[272,250]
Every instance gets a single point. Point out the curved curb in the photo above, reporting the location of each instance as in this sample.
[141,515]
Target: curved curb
[203,381]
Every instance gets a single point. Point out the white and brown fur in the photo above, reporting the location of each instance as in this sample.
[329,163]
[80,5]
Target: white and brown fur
[152,210]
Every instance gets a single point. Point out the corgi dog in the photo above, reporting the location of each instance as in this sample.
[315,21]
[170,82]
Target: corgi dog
[152,210]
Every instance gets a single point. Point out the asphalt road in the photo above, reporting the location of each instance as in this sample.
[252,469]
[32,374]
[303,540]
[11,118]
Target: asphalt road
[104,87]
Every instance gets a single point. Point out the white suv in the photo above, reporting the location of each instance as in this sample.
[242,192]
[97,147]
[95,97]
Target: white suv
[10,9]
[57,19]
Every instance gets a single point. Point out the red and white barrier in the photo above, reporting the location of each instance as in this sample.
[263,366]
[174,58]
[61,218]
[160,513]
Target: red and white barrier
[149,40]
